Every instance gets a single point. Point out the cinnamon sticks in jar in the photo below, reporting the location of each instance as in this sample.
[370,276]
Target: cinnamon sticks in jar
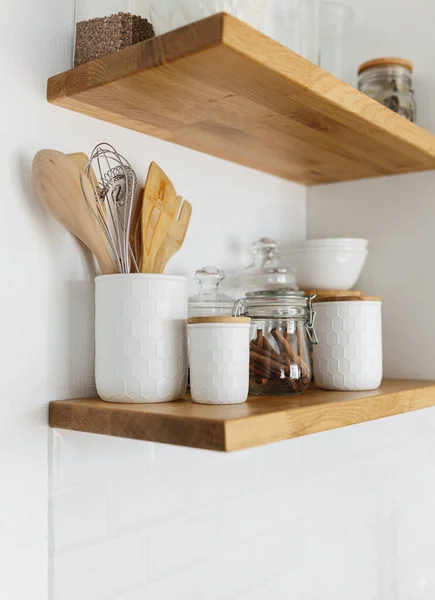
[276,366]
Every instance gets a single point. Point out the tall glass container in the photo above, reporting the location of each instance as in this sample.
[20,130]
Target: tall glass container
[106,26]
[295,24]
[336,39]
[170,14]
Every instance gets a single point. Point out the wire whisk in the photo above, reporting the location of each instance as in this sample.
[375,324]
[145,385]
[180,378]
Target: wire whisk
[113,184]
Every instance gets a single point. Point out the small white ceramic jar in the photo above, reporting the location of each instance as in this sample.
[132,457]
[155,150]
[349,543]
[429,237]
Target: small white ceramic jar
[141,337]
[349,353]
[219,359]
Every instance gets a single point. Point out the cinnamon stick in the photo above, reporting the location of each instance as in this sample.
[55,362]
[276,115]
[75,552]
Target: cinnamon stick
[266,348]
[262,359]
[288,351]
[258,371]
[272,355]
[260,338]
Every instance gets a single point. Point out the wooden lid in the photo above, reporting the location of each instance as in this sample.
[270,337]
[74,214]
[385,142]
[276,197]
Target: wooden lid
[342,296]
[217,320]
[349,299]
[333,295]
[371,299]
[383,62]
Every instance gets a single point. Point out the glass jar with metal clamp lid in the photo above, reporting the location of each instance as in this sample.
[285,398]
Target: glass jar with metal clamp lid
[282,328]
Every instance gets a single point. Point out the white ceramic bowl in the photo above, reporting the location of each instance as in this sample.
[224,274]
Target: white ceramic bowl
[326,268]
[350,243]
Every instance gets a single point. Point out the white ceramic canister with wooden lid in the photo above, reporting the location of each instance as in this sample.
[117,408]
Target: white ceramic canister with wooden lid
[219,359]
[349,353]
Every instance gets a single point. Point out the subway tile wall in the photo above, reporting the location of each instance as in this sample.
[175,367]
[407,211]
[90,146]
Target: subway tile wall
[337,515]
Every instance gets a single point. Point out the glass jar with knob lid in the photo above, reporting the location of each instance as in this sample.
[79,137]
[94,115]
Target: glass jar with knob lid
[209,301]
[282,329]
[264,273]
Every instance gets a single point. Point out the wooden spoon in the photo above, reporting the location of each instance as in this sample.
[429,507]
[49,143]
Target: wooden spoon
[57,181]
[174,239]
[159,209]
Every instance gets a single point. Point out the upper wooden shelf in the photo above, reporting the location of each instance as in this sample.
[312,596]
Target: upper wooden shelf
[262,420]
[221,87]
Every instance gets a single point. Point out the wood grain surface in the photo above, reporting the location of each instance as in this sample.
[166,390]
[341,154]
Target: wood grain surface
[261,420]
[223,88]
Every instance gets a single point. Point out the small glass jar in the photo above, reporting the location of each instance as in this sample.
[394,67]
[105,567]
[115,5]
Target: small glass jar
[264,273]
[209,301]
[282,328]
[106,26]
[389,81]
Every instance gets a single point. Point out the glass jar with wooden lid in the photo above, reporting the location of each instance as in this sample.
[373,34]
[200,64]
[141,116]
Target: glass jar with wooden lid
[389,81]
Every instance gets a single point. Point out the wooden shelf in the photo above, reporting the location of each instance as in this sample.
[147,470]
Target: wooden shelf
[262,420]
[223,88]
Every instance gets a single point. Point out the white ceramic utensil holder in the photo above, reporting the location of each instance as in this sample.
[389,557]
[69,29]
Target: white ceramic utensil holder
[141,337]
[219,359]
[349,353]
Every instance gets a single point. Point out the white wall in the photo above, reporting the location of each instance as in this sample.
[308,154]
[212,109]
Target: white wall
[345,514]
[46,300]
[396,214]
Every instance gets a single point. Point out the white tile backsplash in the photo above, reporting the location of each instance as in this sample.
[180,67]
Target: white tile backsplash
[177,545]
[166,455]
[215,482]
[102,572]
[84,458]
[320,516]
[80,517]
[145,498]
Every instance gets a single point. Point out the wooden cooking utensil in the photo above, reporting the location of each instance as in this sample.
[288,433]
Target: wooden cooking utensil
[80,158]
[174,239]
[57,181]
[136,228]
[158,212]
[82,161]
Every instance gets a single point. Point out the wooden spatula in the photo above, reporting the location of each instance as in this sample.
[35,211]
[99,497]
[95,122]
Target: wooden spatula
[136,228]
[80,158]
[57,182]
[159,209]
[174,239]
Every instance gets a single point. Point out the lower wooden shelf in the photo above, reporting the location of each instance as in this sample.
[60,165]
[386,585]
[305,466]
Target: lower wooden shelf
[261,420]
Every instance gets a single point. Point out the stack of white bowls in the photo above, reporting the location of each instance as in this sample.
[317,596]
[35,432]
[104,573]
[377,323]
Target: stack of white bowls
[328,264]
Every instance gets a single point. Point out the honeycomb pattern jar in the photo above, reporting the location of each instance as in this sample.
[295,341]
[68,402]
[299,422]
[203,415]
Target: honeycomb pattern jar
[349,353]
[219,359]
[141,337]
